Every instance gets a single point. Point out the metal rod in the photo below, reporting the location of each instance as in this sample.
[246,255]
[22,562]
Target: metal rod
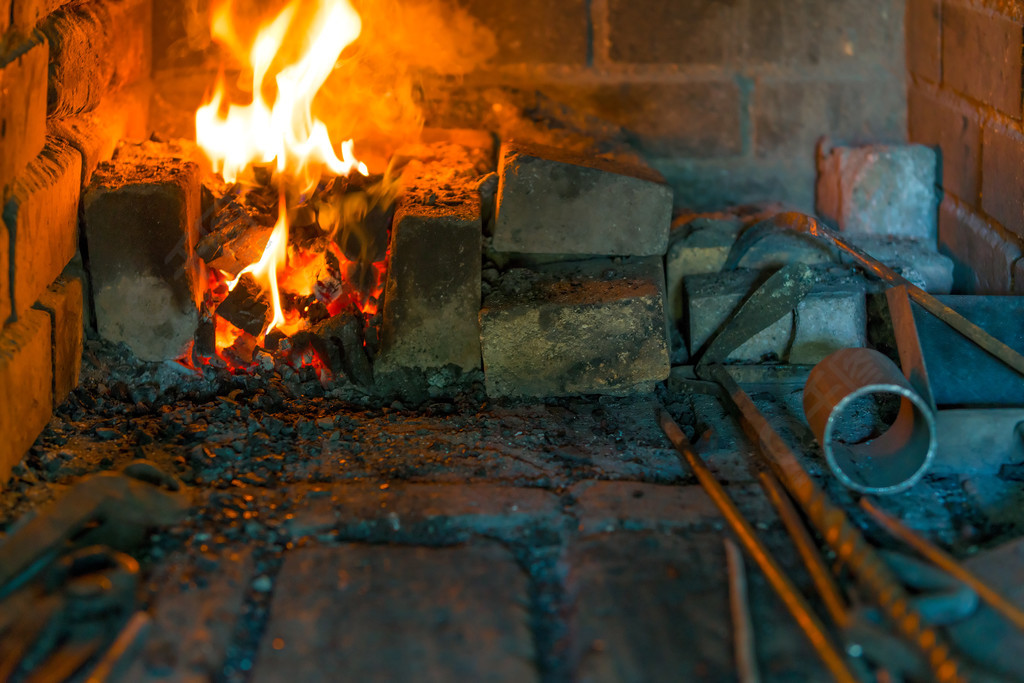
[822,577]
[996,348]
[794,602]
[840,534]
[742,626]
[945,562]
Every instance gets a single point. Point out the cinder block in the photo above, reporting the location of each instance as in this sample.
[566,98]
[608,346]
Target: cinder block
[880,190]
[432,296]
[62,301]
[96,134]
[554,202]
[918,261]
[141,225]
[589,327]
[26,393]
[42,219]
[831,317]
[22,107]
[96,48]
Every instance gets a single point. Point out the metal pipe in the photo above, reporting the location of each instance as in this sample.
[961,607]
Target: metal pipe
[841,535]
[889,463]
[946,563]
[795,603]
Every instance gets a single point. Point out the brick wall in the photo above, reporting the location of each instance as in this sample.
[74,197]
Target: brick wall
[73,78]
[964,96]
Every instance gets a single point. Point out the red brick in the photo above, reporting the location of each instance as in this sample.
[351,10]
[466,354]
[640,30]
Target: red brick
[983,256]
[26,399]
[933,122]
[1002,179]
[5,275]
[96,48]
[62,301]
[678,32]
[42,218]
[535,31]
[790,117]
[981,57]
[924,38]
[22,107]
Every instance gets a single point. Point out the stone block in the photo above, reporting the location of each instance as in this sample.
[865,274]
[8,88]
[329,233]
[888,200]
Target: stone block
[983,257]
[141,221]
[432,296]
[553,202]
[393,613]
[831,317]
[1002,177]
[699,247]
[96,48]
[22,107]
[96,134]
[62,301]
[936,123]
[41,216]
[981,56]
[26,392]
[917,260]
[880,190]
[590,327]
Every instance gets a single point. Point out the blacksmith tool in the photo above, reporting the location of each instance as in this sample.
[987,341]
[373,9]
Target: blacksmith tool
[806,224]
[845,539]
[54,626]
[790,596]
[141,495]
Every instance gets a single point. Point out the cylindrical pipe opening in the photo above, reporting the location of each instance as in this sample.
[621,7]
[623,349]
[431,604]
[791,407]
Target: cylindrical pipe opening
[877,433]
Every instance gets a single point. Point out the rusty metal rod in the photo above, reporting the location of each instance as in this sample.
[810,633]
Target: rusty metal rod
[794,602]
[840,534]
[803,223]
[822,577]
[945,562]
[742,626]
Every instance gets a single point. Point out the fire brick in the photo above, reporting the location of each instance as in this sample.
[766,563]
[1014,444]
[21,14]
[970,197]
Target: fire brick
[553,202]
[62,301]
[28,13]
[432,296]
[924,38]
[699,247]
[22,107]
[42,219]
[983,257]
[934,122]
[589,327]
[880,190]
[1002,177]
[141,223]
[26,392]
[393,613]
[981,56]
[96,48]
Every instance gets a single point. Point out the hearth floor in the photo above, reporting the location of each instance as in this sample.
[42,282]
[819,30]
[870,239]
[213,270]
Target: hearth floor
[460,540]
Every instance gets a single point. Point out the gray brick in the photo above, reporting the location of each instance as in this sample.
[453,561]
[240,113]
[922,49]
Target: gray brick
[1002,177]
[22,108]
[983,257]
[432,296]
[880,190]
[917,260]
[936,123]
[680,32]
[26,392]
[577,328]
[553,202]
[141,223]
[696,248]
[397,613]
[981,56]
[924,38]
[42,218]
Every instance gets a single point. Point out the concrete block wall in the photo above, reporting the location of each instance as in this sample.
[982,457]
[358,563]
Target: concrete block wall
[74,80]
[964,63]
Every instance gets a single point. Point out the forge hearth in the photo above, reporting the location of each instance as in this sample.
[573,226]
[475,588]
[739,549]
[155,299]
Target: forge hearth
[469,339]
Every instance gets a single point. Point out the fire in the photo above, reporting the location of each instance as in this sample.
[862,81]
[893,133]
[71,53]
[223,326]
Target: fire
[277,129]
